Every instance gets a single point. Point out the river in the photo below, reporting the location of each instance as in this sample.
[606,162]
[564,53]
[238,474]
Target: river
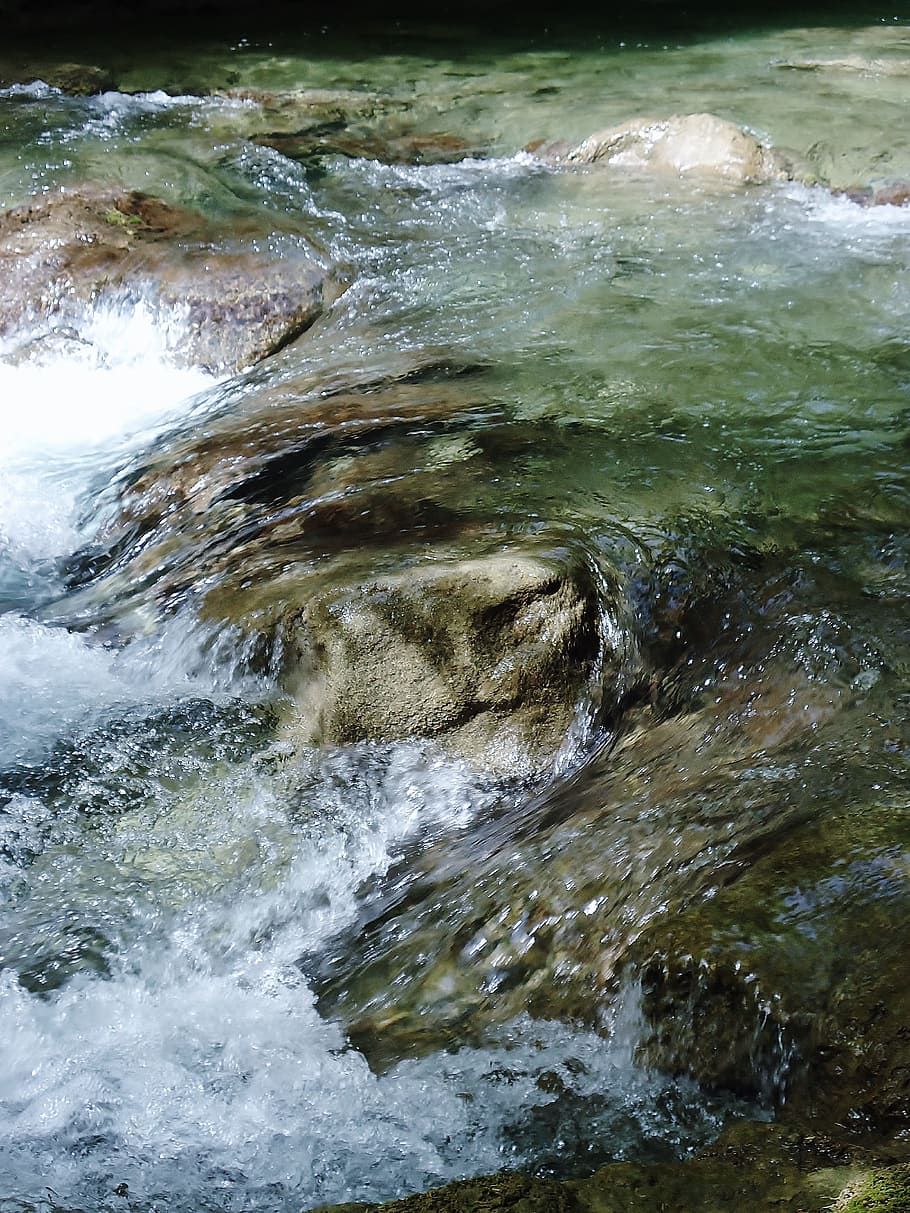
[236,980]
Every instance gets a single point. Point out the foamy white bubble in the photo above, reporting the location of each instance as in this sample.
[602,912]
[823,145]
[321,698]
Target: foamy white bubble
[34,90]
[202,1054]
[841,215]
[353,809]
[173,1086]
[105,381]
[78,400]
[51,680]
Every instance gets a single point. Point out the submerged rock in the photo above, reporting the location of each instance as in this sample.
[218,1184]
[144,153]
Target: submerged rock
[792,978]
[701,145]
[310,124]
[396,147]
[302,526]
[225,303]
[539,914]
[293,110]
[897,194]
[861,64]
[313,483]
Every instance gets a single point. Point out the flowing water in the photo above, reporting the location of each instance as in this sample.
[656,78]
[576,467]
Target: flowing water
[232,978]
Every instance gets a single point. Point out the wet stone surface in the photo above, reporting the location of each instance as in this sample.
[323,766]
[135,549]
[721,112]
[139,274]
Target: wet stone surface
[228,306]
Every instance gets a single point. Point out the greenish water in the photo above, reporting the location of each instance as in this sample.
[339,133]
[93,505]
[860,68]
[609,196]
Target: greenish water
[235,979]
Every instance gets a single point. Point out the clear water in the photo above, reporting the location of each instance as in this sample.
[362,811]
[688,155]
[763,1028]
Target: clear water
[194,927]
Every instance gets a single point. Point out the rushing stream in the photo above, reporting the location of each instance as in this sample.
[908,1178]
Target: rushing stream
[241,971]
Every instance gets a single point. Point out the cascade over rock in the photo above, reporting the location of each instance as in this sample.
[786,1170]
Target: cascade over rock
[303,526]
[229,304]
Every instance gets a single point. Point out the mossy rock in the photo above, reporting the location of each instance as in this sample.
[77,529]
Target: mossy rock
[767,1180]
[790,983]
[74,79]
[491,1194]
[884,1191]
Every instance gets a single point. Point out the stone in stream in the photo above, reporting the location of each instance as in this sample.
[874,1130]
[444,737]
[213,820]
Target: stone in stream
[794,976]
[292,110]
[303,526]
[310,124]
[488,654]
[74,79]
[859,64]
[393,147]
[264,505]
[897,194]
[228,302]
[539,915]
[700,145]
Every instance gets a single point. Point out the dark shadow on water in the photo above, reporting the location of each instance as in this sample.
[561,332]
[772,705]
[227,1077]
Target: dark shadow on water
[90,30]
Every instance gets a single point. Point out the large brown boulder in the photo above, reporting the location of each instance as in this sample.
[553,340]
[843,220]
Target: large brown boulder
[303,524]
[699,145]
[228,304]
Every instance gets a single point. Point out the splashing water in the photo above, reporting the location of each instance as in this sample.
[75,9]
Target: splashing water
[172,877]
[107,386]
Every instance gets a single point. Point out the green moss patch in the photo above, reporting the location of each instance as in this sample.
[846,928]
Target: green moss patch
[884,1191]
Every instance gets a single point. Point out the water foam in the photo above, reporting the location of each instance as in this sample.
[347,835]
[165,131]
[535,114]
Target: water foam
[52,681]
[208,1095]
[74,402]
[200,1073]
[202,1060]
[841,216]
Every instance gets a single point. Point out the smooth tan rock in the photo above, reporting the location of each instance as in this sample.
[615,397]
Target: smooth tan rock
[682,145]
[488,654]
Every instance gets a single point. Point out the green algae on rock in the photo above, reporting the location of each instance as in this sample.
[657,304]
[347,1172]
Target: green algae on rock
[769,1177]
[883,1191]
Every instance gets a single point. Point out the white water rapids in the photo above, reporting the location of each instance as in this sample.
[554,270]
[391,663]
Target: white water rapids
[180,1053]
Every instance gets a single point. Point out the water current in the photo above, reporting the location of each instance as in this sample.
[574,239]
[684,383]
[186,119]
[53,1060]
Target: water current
[236,977]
